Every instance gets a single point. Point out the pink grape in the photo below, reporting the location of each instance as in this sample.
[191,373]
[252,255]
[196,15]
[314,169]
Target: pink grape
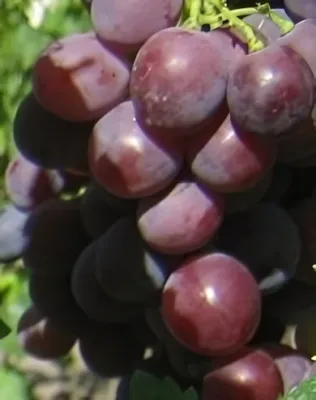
[180,219]
[178,79]
[126,25]
[128,160]
[248,375]
[212,304]
[79,79]
[271,90]
[230,159]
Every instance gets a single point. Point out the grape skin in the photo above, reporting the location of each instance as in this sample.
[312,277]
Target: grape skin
[126,25]
[173,61]
[180,219]
[29,185]
[211,284]
[243,235]
[134,275]
[90,296]
[56,236]
[47,140]
[293,365]
[127,160]
[230,159]
[13,240]
[301,39]
[271,91]
[52,296]
[250,374]
[97,215]
[77,78]
[110,350]
[42,337]
[300,10]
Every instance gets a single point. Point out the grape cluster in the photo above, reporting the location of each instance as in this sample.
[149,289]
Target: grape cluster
[162,197]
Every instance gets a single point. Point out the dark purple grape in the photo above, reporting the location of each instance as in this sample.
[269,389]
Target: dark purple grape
[89,294]
[42,337]
[52,296]
[56,237]
[47,140]
[271,91]
[267,240]
[200,292]
[125,268]
[110,350]
[97,216]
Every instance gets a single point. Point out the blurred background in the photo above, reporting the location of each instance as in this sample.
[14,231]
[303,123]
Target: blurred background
[26,27]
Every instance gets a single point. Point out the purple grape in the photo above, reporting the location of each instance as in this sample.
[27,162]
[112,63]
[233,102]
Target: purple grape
[78,79]
[126,26]
[180,219]
[13,239]
[90,296]
[179,79]
[127,160]
[271,91]
[300,10]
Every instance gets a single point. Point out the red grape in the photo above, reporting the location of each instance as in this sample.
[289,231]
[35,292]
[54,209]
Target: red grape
[271,91]
[79,79]
[248,375]
[179,79]
[129,161]
[212,304]
[230,160]
[300,10]
[181,219]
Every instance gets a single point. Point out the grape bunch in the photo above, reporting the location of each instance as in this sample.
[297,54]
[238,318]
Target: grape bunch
[163,195]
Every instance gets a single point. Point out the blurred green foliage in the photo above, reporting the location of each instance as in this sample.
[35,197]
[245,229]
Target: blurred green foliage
[26,27]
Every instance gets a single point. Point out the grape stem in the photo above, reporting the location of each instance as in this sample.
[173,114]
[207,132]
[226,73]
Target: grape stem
[216,14]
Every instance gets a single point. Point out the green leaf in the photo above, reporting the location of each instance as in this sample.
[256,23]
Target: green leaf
[4,329]
[306,391]
[144,386]
[190,394]
[13,385]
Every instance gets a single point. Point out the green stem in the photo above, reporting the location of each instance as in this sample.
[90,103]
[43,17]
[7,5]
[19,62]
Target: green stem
[215,13]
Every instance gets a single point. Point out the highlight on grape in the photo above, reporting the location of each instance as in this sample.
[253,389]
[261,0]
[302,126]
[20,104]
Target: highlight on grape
[163,195]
